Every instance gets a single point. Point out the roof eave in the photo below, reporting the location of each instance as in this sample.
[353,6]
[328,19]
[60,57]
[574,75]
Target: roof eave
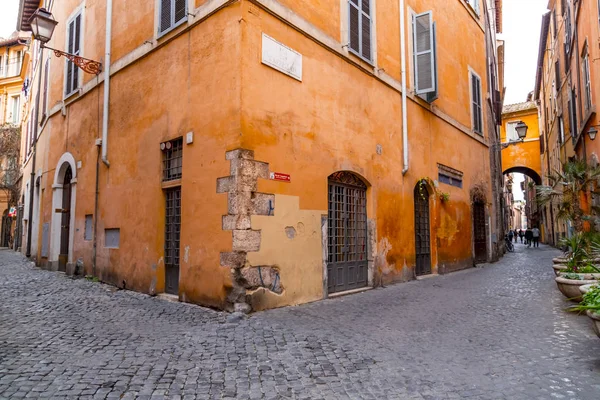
[541,52]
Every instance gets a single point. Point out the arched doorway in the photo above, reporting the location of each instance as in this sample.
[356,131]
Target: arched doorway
[62,229]
[65,223]
[347,265]
[422,230]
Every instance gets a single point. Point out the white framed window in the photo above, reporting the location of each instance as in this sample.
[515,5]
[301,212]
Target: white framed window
[425,55]
[360,24]
[15,110]
[474,5]
[587,86]
[72,72]
[511,132]
[18,62]
[171,14]
[476,102]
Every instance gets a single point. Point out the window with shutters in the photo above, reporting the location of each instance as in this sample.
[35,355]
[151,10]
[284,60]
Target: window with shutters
[360,24]
[424,55]
[554,25]
[573,114]
[474,5]
[171,14]
[476,103]
[16,110]
[2,65]
[73,47]
[561,130]
[567,15]
[587,86]
[46,83]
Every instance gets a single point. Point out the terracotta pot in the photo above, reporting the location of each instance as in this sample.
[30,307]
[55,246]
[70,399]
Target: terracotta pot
[570,287]
[558,268]
[585,288]
[595,317]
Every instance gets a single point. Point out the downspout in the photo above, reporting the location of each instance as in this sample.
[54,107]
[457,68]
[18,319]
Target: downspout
[106,66]
[403,73]
[37,132]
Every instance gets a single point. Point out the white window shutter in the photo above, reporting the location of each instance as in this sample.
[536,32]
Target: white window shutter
[366,29]
[166,15]
[180,10]
[424,55]
[354,18]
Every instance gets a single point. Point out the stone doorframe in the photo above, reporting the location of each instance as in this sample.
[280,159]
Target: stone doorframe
[65,161]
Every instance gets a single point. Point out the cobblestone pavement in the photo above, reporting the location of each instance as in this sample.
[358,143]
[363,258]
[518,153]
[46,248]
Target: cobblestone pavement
[496,332]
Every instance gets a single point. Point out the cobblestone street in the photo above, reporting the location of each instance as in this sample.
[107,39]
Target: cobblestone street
[496,332]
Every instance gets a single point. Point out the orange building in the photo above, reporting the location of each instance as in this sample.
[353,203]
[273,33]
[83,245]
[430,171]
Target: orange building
[262,153]
[567,86]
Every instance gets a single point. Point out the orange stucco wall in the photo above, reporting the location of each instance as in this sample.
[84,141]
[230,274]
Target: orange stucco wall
[527,153]
[209,80]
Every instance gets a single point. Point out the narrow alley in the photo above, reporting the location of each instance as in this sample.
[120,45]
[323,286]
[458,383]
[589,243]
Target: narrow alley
[494,332]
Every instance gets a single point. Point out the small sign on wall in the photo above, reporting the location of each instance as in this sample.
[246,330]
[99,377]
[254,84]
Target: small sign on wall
[278,176]
[280,57]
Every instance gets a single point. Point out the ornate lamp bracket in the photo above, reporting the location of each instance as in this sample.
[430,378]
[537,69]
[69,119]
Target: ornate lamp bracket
[87,65]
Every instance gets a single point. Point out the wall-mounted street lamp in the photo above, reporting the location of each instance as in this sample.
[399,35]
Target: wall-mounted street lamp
[42,26]
[521,129]
[592,132]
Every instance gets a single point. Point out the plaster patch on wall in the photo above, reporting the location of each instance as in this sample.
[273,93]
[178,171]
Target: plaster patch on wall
[152,289]
[383,268]
[186,254]
[448,229]
[290,232]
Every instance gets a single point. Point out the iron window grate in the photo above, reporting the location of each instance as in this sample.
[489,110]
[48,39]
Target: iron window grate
[172,159]
[172,227]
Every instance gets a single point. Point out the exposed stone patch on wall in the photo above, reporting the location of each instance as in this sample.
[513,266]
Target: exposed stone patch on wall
[243,200]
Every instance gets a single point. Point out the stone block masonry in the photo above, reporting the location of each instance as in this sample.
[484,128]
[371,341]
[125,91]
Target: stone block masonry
[243,201]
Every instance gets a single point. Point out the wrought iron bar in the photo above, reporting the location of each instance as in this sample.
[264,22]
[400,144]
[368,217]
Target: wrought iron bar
[87,65]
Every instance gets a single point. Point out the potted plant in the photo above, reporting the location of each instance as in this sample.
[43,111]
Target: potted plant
[569,283]
[590,303]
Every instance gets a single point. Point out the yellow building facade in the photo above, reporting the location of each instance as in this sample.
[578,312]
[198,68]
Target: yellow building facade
[257,154]
[13,55]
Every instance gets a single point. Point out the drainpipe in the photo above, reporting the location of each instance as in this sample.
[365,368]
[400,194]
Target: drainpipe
[403,72]
[95,236]
[106,82]
[37,131]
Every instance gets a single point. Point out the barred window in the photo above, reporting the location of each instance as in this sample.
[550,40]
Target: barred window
[172,159]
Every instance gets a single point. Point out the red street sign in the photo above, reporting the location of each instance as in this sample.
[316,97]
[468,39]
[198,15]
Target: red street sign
[277,176]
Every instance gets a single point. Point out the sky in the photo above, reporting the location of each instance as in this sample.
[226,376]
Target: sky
[8,17]
[521,25]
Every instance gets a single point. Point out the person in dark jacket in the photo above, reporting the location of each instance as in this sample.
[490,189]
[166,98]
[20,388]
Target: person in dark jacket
[528,237]
[510,234]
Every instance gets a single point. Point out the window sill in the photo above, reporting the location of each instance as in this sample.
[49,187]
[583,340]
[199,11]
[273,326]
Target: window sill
[75,93]
[171,184]
[360,58]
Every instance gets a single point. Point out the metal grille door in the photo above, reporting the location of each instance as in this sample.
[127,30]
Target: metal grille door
[347,233]
[422,231]
[172,232]
[479,232]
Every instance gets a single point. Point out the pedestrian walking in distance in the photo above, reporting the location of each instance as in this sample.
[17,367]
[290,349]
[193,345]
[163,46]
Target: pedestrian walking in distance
[535,232]
[510,234]
[521,234]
